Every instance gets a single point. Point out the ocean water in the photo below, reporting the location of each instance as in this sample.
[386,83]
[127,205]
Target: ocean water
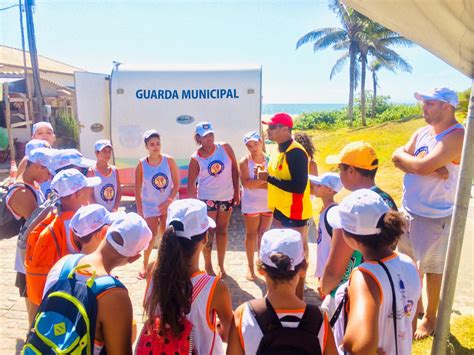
[296,109]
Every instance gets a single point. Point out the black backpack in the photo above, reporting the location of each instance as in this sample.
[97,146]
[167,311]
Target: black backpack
[287,341]
[9,225]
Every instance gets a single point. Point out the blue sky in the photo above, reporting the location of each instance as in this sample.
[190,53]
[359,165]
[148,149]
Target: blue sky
[92,34]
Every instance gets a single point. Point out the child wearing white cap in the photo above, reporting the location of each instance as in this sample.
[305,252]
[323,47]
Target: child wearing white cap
[156,186]
[304,328]
[125,239]
[213,177]
[386,282]
[23,197]
[42,253]
[109,192]
[257,215]
[178,288]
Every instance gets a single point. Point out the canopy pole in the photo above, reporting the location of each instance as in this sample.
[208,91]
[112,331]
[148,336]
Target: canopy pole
[456,235]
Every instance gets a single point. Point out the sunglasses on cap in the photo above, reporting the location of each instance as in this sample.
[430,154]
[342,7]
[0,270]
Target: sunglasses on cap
[274,126]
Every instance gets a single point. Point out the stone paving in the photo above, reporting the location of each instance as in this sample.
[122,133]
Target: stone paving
[13,318]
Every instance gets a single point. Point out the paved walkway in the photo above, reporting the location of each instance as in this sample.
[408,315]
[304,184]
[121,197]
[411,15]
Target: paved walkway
[13,318]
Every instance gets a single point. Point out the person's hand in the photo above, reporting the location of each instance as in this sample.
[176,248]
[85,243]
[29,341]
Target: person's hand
[319,289]
[396,154]
[163,208]
[442,173]
[236,198]
[262,175]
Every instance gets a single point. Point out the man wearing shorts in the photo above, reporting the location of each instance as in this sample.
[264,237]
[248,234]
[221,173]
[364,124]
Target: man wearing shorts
[430,161]
[287,178]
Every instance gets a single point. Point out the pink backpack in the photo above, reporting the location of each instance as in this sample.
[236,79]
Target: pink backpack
[153,341]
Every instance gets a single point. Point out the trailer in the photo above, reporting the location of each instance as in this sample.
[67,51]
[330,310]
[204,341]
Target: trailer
[129,101]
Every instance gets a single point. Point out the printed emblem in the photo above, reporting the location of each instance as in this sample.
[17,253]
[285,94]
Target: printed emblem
[160,182]
[215,167]
[408,307]
[421,152]
[59,329]
[107,192]
[320,235]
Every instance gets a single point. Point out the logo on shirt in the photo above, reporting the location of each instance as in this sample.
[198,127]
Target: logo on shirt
[107,192]
[160,181]
[421,152]
[215,167]
[320,235]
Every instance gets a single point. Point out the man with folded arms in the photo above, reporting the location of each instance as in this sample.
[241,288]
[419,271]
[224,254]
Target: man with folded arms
[430,161]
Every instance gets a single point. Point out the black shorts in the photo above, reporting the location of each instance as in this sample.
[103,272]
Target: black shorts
[20,282]
[289,222]
[219,205]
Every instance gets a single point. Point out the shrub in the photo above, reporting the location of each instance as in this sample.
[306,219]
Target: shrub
[66,129]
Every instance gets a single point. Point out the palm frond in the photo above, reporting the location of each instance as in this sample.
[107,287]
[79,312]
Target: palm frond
[315,35]
[330,39]
[339,65]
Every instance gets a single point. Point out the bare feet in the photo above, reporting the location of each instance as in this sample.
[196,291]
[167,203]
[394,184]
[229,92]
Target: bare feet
[425,329]
[210,271]
[142,273]
[250,275]
[221,272]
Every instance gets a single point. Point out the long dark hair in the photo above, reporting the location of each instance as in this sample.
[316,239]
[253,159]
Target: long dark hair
[282,272]
[172,287]
[306,142]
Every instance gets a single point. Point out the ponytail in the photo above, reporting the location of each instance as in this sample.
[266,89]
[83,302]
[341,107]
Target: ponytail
[172,287]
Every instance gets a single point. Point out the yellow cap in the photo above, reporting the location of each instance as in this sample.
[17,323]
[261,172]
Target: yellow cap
[358,154]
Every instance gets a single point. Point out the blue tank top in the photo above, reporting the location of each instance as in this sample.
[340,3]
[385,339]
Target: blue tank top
[106,193]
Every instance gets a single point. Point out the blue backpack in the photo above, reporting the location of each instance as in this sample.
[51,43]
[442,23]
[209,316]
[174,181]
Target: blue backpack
[66,319]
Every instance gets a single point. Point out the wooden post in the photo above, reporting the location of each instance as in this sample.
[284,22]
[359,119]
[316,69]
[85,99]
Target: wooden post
[6,101]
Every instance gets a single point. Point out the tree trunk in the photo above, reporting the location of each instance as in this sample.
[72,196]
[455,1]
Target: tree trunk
[350,108]
[363,112]
[374,98]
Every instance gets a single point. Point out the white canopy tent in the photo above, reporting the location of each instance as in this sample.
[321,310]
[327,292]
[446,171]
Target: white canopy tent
[446,29]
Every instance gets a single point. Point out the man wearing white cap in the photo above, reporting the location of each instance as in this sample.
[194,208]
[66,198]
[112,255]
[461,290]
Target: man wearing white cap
[54,240]
[126,238]
[430,161]
[22,199]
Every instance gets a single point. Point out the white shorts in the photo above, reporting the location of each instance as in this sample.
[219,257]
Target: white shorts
[427,242]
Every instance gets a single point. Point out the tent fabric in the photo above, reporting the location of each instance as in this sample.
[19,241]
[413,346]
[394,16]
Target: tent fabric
[443,27]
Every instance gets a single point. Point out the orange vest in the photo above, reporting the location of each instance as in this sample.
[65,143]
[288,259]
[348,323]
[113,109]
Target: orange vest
[46,244]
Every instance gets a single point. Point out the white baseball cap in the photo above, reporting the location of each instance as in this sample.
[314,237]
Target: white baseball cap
[359,213]
[69,181]
[90,218]
[285,241]
[34,144]
[204,128]
[41,156]
[251,136]
[192,214]
[39,125]
[441,94]
[331,180]
[101,144]
[148,134]
[66,157]
[136,235]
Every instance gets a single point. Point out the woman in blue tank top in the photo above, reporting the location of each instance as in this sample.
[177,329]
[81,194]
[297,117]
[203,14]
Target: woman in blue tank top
[156,186]
[213,177]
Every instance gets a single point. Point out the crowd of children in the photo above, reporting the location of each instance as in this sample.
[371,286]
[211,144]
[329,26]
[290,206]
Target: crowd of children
[75,303]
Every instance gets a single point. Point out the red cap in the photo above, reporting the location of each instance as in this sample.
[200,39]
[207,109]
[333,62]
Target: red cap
[281,118]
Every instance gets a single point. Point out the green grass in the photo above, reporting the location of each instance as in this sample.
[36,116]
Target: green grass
[461,341]
[385,138]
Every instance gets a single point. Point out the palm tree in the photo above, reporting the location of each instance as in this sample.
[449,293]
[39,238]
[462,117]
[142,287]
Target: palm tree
[375,40]
[341,39]
[377,64]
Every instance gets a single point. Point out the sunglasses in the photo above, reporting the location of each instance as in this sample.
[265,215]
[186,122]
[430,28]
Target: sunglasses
[274,126]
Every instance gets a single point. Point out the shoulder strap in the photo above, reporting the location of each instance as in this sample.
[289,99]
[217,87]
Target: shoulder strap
[394,303]
[104,283]
[199,286]
[338,310]
[312,319]
[70,264]
[326,222]
[22,184]
[449,130]
[264,314]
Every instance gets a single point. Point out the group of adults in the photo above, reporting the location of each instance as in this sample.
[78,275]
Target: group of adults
[356,239]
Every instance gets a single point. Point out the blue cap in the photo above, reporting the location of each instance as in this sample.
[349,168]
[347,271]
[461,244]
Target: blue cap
[251,136]
[101,144]
[66,157]
[440,94]
[331,180]
[34,144]
[204,128]
[41,156]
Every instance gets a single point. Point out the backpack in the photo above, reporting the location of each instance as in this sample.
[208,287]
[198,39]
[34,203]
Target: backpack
[279,340]
[46,244]
[50,205]
[152,341]
[9,225]
[66,319]
[326,222]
